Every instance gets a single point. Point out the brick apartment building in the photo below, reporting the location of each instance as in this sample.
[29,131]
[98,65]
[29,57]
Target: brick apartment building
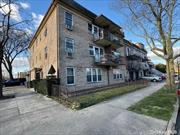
[86,50]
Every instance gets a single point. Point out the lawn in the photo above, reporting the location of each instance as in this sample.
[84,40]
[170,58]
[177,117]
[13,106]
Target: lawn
[80,102]
[158,105]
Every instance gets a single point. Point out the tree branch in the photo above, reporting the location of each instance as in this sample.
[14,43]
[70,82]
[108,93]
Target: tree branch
[176,56]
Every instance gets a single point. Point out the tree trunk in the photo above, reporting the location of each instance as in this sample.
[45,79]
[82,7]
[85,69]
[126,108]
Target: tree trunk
[10,72]
[170,73]
[1,85]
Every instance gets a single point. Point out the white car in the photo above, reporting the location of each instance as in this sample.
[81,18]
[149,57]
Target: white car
[153,78]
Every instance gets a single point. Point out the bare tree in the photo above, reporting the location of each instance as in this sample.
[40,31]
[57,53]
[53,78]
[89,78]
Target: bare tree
[16,45]
[4,34]
[157,22]
[7,24]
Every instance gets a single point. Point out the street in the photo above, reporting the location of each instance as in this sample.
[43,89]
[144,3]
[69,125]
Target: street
[178,124]
[33,114]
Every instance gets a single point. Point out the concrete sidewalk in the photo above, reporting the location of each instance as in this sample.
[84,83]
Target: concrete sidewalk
[33,114]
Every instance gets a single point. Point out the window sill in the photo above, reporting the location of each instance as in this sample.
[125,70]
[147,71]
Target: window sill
[94,82]
[70,57]
[70,84]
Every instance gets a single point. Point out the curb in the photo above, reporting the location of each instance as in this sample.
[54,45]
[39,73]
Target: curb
[170,129]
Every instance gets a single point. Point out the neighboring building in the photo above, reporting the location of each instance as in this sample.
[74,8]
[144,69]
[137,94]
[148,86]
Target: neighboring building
[137,61]
[177,68]
[86,50]
[22,74]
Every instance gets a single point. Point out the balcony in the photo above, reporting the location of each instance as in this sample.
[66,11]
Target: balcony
[105,22]
[132,66]
[133,55]
[144,66]
[106,39]
[108,60]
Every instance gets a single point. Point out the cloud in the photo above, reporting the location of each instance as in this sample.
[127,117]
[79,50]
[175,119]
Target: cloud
[15,14]
[24,5]
[21,62]
[155,59]
[29,31]
[37,18]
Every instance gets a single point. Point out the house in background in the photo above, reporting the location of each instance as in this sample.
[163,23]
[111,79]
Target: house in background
[22,74]
[86,50]
[137,61]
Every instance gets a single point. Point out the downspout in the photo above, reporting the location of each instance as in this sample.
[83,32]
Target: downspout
[108,75]
[58,44]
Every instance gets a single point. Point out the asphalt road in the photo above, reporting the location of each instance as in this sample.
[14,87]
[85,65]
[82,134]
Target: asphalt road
[178,124]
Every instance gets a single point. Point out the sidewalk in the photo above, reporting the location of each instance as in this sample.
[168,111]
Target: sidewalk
[34,114]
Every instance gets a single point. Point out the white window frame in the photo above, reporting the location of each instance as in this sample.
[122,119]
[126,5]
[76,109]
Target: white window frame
[67,75]
[65,18]
[92,31]
[97,74]
[66,38]
[99,48]
[118,76]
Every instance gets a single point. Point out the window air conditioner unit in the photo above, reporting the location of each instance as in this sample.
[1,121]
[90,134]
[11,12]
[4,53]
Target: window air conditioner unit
[69,27]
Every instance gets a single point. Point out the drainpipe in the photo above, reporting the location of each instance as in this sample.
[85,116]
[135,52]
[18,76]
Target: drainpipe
[108,75]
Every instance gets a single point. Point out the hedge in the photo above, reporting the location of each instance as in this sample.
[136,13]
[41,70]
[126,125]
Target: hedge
[41,86]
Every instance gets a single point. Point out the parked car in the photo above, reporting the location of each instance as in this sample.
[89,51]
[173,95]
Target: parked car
[153,78]
[163,77]
[22,80]
[15,82]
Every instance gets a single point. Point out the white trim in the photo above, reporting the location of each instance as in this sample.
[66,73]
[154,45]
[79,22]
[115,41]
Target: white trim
[73,43]
[91,70]
[94,50]
[65,18]
[73,75]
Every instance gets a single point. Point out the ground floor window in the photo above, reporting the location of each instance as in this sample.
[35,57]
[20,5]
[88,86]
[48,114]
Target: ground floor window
[70,76]
[117,75]
[93,74]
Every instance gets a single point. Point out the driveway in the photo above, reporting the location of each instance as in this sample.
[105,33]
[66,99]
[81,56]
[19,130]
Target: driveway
[33,114]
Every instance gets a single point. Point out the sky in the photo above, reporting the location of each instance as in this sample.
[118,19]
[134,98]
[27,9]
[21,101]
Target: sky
[37,8]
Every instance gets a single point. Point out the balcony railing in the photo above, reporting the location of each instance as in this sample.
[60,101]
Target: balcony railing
[138,66]
[108,60]
[106,38]
[144,66]
[135,55]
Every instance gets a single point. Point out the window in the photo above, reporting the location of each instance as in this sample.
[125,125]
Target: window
[90,27]
[70,76]
[93,29]
[101,51]
[68,20]
[39,56]
[45,32]
[88,72]
[117,75]
[93,75]
[99,75]
[127,51]
[93,50]
[45,52]
[69,43]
